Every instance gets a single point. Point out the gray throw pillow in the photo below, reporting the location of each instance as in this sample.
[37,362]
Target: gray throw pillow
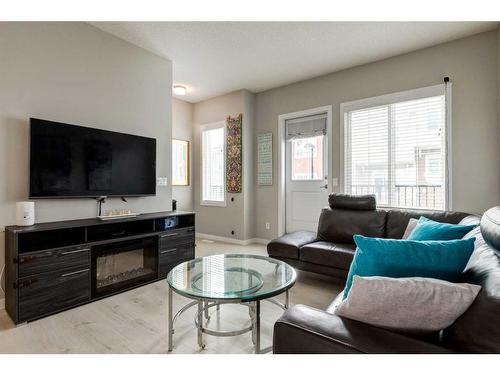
[409,228]
[412,304]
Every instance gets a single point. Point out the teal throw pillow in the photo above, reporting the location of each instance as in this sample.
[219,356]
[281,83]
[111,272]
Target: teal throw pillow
[443,260]
[430,230]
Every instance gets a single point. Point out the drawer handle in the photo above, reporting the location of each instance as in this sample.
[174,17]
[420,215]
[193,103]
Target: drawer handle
[74,273]
[25,259]
[167,251]
[169,235]
[31,258]
[25,284]
[74,251]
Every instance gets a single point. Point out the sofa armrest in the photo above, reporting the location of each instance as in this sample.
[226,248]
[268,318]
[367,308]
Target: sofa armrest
[288,245]
[303,329]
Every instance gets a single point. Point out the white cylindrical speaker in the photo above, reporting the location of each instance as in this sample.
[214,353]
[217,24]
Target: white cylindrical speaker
[25,213]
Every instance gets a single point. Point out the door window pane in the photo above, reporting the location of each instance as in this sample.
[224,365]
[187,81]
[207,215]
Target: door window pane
[307,158]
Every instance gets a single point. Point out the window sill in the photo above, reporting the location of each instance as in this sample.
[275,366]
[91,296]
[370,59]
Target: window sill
[213,203]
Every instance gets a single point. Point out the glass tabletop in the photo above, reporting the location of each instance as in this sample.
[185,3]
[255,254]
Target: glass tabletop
[232,276]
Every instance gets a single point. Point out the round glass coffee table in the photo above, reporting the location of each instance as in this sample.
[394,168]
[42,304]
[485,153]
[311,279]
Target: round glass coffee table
[228,278]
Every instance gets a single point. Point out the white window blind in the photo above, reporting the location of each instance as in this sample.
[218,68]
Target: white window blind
[306,127]
[213,164]
[398,150]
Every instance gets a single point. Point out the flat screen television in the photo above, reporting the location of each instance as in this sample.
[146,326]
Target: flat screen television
[70,161]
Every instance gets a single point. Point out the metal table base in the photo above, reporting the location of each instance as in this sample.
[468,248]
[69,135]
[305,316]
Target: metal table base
[202,314]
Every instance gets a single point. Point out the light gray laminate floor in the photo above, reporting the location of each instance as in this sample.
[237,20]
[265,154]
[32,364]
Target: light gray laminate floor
[136,321]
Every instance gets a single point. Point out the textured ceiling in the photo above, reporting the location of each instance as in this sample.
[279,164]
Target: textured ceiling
[214,58]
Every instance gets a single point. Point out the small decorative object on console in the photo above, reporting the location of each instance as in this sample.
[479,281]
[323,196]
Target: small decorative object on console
[25,213]
[116,214]
[168,223]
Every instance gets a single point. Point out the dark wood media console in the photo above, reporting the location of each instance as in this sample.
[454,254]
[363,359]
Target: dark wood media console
[52,267]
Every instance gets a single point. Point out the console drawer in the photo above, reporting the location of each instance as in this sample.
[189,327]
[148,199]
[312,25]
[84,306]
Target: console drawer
[169,258]
[44,294]
[52,260]
[174,238]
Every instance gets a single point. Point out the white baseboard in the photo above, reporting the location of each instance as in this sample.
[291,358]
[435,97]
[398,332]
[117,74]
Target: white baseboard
[261,241]
[231,240]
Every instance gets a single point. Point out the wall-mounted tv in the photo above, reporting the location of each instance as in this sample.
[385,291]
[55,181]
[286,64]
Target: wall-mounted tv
[70,161]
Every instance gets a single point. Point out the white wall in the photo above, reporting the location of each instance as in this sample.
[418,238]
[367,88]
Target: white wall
[472,65]
[182,128]
[75,73]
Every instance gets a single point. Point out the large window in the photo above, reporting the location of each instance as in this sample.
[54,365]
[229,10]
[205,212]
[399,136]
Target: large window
[396,148]
[213,164]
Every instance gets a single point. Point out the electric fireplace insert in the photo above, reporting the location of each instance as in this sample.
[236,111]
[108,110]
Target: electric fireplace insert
[122,265]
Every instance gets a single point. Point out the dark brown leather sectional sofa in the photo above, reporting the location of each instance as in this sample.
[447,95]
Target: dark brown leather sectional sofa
[303,329]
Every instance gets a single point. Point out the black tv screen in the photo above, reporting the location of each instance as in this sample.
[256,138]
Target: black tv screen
[69,161]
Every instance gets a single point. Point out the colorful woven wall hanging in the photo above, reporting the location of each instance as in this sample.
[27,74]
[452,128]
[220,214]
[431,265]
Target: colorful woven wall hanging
[234,154]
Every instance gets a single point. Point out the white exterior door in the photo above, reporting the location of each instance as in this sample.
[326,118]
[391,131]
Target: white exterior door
[306,169]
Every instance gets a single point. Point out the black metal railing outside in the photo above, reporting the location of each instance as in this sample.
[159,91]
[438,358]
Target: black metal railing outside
[403,195]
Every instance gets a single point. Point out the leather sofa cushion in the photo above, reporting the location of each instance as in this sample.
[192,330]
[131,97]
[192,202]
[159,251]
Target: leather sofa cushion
[288,245]
[470,220]
[478,329]
[397,220]
[339,225]
[328,254]
[334,273]
[490,228]
[303,329]
[352,202]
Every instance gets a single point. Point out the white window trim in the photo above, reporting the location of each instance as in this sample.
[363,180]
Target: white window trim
[423,92]
[213,125]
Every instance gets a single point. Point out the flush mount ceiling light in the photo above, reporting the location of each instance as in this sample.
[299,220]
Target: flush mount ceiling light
[180,90]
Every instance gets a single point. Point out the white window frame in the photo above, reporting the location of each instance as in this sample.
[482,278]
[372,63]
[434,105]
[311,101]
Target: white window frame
[419,93]
[214,125]
[281,140]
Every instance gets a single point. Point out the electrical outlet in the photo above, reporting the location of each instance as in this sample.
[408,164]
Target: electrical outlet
[268,226]
[335,181]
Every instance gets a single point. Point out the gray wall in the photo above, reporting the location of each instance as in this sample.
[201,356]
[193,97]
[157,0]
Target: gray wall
[75,73]
[472,64]
[249,150]
[182,128]
[238,215]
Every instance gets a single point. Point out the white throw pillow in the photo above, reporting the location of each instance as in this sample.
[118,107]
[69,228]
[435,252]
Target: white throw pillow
[412,304]
[412,223]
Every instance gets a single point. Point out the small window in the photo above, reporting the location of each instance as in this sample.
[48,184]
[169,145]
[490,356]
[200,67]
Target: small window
[213,164]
